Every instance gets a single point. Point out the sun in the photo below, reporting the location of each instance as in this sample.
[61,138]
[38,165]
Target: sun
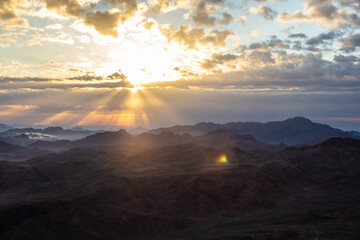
[146,55]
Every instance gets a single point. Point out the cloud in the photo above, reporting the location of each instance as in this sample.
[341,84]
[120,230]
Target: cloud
[161,6]
[203,11]
[336,13]
[56,26]
[323,38]
[350,42]
[26,83]
[149,24]
[346,59]
[194,37]
[242,19]
[7,9]
[67,8]
[227,19]
[264,11]
[254,33]
[87,77]
[18,107]
[8,15]
[297,35]
[291,73]
[271,44]
[218,59]
[119,75]
[202,14]
[104,22]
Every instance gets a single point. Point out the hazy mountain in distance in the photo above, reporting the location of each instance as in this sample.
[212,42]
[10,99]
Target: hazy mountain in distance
[56,131]
[4,127]
[27,136]
[93,141]
[138,130]
[217,139]
[184,192]
[293,131]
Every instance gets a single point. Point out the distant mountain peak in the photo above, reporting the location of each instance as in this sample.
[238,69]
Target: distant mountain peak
[53,128]
[299,119]
[203,124]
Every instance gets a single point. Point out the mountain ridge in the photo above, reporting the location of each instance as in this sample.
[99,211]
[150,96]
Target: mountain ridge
[292,131]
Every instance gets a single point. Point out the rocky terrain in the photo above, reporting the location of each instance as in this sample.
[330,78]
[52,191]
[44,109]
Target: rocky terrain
[184,191]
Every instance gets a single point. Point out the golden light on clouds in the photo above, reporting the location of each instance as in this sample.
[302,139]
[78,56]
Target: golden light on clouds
[129,52]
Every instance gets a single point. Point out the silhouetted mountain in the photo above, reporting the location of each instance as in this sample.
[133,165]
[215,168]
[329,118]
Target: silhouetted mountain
[103,138]
[223,138]
[293,131]
[184,192]
[9,148]
[56,146]
[15,152]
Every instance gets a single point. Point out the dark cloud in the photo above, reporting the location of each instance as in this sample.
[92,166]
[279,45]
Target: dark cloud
[119,75]
[323,38]
[277,43]
[350,42]
[87,77]
[45,85]
[271,44]
[346,59]
[115,80]
[297,35]
[218,59]
[23,79]
[259,45]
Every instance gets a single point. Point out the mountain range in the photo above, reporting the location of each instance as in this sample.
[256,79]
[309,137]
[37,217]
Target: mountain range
[207,181]
[293,131]
[184,192]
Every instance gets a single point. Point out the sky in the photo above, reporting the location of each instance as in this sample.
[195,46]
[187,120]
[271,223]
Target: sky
[151,63]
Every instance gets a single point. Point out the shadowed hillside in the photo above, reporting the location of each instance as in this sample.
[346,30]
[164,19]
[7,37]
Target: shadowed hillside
[184,191]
